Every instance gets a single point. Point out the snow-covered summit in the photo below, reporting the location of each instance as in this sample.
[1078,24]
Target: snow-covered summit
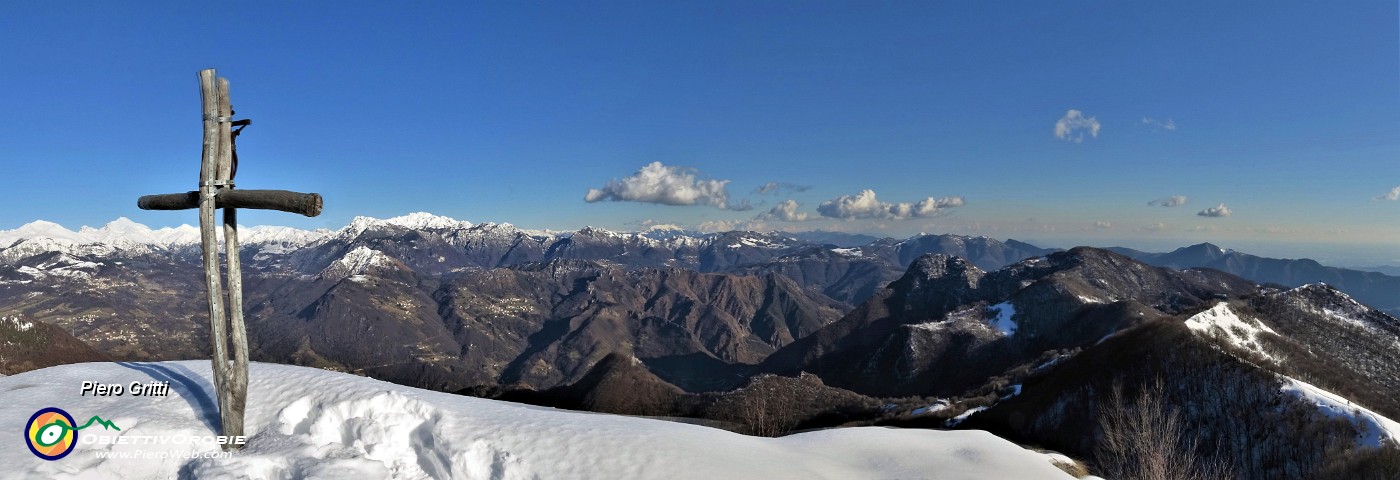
[591,231]
[1336,305]
[425,220]
[1240,332]
[39,229]
[308,423]
[121,232]
[358,261]
[125,234]
[271,236]
[413,221]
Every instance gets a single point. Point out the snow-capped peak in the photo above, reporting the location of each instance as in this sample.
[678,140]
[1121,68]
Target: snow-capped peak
[272,237]
[597,232]
[425,220]
[39,229]
[357,262]
[125,234]
[122,233]
[412,221]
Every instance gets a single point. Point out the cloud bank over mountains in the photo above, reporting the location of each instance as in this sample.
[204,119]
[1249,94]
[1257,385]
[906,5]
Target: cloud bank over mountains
[866,205]
[666,185]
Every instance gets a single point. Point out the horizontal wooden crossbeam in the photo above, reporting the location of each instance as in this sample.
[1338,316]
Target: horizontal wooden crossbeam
[308,204]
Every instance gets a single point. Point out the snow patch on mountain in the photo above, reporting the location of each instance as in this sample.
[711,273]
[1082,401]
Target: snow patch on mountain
[757,240]
[62,265]
[1239,332]
[309,423]
[1375,429]
[962,417]
[1085,299]
[1004,319]
[16,323]
[935,407]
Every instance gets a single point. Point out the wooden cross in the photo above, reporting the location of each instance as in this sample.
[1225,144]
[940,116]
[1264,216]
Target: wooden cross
[217,168]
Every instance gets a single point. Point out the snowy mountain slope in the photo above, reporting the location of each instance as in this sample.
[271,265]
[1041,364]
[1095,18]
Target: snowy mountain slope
[1375,429]
[309,423]
[127,235]
[947,325]
[456,244]
[357,262]
[1237,331]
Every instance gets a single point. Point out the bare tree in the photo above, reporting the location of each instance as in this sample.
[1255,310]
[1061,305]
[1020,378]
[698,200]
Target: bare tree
[766,408]
[1146,439]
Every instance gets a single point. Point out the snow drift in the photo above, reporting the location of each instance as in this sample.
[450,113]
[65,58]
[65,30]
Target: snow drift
[310,423]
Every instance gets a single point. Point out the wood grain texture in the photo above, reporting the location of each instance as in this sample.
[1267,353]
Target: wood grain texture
[308,204]
[208,170]
[237,380]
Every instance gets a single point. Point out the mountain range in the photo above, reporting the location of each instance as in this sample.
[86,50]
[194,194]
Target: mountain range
[764,332]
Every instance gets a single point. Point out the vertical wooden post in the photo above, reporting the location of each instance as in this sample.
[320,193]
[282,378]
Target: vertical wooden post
[237,380]
[216,171]
[208,192]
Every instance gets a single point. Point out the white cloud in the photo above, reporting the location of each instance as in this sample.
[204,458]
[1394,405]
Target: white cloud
[1156,124]
[865,205]
[1074,125]
[1393,194]
[785,211]
[1102,225]
[1156,227]
[775,187]
[657,183]
[1172,201]
[1216,211]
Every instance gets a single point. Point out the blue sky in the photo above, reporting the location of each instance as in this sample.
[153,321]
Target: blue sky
[1288,113]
